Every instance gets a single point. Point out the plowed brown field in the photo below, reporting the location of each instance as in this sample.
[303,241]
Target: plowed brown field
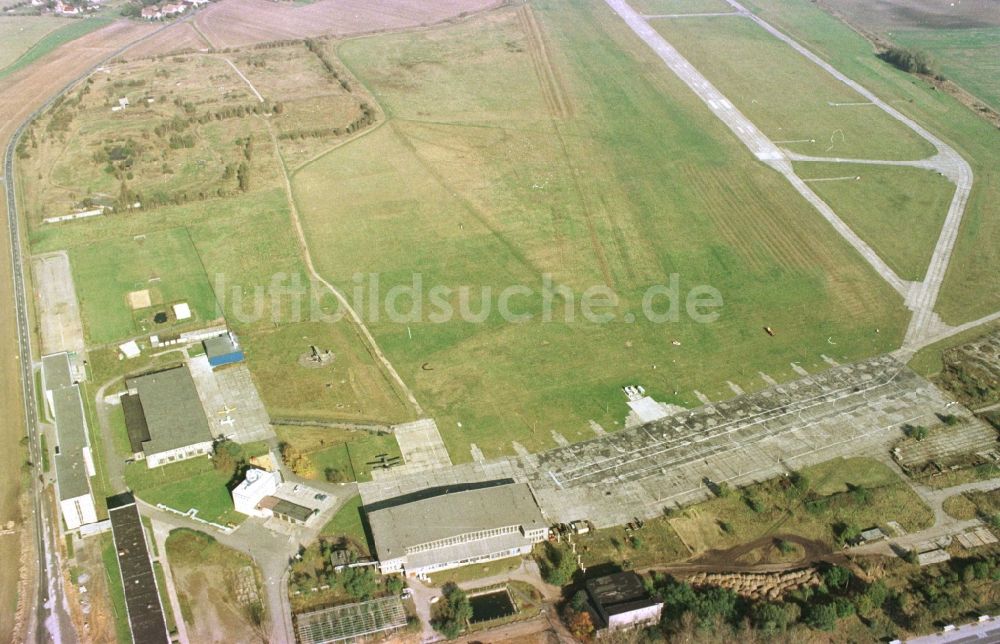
[179,37]
[233,23]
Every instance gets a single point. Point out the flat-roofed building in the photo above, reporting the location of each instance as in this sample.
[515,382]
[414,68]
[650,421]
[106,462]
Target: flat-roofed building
[223,349]
[142,597]
[455,528]
[621,601]
[73,460]
[254,488]
[166,419]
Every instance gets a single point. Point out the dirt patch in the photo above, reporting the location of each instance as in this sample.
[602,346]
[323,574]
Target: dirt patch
[139,299]
[235,23]
[892,14]
[215,586]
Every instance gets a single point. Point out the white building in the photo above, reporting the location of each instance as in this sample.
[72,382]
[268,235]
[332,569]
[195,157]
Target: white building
[455,528]
[257,485]
[73,460]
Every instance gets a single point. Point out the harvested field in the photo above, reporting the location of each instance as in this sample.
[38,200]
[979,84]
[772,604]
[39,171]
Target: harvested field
[182,36]
[234,23]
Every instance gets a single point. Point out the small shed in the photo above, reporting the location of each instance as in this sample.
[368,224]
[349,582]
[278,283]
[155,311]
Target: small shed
[223,349]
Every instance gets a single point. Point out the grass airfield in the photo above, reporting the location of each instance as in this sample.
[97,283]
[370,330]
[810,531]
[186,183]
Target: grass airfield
[513,146]
[476,179]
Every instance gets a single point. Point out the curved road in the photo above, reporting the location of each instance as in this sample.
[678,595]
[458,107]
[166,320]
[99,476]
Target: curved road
[51,612]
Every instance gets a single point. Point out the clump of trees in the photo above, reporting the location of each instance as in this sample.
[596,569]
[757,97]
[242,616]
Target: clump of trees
[908,60]
[453,612]
[558,564]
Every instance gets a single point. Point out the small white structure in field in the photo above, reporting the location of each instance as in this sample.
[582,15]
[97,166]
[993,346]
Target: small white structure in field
[182,311]
[257,485]
[130,349]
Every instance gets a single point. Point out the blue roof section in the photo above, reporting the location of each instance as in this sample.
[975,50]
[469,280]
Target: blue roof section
[228,358]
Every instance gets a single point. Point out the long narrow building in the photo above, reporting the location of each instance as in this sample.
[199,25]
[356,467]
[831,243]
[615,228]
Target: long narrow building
[73,460]
[142,597]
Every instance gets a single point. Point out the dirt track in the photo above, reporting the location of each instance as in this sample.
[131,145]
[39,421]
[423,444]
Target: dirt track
[20,94]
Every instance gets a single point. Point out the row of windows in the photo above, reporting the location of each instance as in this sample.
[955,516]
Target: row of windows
[462,538]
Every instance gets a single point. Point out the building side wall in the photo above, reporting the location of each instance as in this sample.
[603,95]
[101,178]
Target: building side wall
[650,614]
[179,454]
[447,565]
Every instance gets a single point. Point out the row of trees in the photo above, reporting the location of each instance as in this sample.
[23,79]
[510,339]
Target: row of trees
[317,49]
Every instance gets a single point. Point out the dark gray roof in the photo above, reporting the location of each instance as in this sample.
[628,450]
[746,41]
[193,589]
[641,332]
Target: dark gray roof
[56,372]
[287,508]
[398,527]
[173,412]
[142,601]
[71,430]
[135,422]
[619,593]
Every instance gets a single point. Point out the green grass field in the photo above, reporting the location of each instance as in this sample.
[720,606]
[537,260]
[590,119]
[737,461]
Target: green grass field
[882,202]
[786,95]
[970,57]
[350,451]
[966,293]
[25,39]
[347,523]
[165,263]
[194,483]
[474,181]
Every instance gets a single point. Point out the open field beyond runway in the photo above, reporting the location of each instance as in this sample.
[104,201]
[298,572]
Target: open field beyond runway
[798,105]
[969,290]
[962,39]
[878,202]
[567,180]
